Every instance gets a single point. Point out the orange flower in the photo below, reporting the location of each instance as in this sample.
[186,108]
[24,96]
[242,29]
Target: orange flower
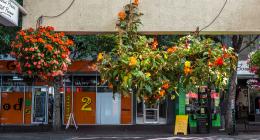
[70,42]
[146,98]
[165,86]
[49,28]
[22,33]
[225,55]
[136,2]
[210,64]
[122,15]
[187,70]
[172,49]
[63,55]
[40,40]
[162,93]
[62,34]
[30,30]
[154,44]
[133,61]
[33,40]
[110,86]
[49,47]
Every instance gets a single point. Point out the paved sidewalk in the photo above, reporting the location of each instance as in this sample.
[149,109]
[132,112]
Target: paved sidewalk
[64,135]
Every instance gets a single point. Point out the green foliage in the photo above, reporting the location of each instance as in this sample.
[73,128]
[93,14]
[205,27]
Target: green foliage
[89,46]
[137,65]
[254,61]
[7,35]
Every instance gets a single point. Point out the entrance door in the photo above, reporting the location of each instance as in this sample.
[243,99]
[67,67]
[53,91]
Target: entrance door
[39,105]
[108,108]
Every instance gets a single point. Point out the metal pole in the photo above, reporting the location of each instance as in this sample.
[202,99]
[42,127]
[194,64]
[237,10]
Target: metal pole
[23,103]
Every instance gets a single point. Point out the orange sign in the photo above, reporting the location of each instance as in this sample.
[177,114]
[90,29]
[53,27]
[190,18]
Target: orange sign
[84,107]
[12,108]
[126,110]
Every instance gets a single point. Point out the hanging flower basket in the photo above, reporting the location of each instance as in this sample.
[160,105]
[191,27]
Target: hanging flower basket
[41,53]
[254,62]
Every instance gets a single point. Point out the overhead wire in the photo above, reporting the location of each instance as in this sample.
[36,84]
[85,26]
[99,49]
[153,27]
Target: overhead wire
[39,20]
[216,17]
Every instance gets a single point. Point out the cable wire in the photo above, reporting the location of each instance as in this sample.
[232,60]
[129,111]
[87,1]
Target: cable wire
[39,20]
[219,13]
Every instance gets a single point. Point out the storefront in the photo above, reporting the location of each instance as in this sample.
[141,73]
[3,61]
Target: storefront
[23,104]
[89,101]
[93,103]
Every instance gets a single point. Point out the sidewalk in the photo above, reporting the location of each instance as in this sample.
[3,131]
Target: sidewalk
[136,132]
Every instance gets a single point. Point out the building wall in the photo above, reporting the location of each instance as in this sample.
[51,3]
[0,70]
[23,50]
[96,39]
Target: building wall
[160,16]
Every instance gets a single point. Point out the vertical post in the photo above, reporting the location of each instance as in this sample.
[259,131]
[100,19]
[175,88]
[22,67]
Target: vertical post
[181,100]
[56,108]
[23,103]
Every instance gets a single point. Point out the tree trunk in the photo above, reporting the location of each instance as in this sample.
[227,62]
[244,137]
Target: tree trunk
[57,110]
[237,41]
[230,112]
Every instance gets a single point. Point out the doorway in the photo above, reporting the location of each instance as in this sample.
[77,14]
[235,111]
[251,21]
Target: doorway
[40,105]
[108,108]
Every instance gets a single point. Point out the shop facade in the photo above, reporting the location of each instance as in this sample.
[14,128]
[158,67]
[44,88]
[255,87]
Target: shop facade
[22,104]
[93,103]
[83,96]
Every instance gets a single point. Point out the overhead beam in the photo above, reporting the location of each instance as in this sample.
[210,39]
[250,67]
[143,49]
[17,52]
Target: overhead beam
[160,16]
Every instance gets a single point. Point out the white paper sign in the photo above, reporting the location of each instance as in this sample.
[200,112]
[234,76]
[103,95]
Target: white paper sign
[243,68]
[9,12]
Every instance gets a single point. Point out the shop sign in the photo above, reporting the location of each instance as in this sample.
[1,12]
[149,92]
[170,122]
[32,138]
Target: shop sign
[86,102]
[9,12]
[17,106]
[243,68]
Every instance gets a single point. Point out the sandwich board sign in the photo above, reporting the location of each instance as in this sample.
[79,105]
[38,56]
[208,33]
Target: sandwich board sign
[181,124]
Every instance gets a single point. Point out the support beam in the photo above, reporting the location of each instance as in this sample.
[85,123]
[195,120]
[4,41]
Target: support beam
[160,16]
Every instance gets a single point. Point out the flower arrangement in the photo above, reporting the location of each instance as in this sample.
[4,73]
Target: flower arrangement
[41,53]
[254,62]
[137,65]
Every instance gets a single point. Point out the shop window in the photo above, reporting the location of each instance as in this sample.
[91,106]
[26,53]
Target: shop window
[151,114]
[102,86]
[12,84]
[84,81]
[84,89]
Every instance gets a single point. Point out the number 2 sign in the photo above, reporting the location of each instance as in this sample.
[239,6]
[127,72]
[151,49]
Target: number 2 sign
[86,102]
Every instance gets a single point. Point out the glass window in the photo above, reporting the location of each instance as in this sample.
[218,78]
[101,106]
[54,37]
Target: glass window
[84,89]
[84,81]
[155,114]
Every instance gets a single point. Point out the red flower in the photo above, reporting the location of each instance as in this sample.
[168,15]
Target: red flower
[219,61]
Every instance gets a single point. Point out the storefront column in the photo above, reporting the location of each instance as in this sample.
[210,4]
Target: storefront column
[181,101]
[57,110]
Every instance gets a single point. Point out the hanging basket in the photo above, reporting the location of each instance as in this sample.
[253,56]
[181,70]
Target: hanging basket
[41,53]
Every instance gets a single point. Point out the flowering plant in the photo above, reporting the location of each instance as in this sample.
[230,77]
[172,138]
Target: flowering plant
[134,65]
[254,62]
[42,52]
[137,64]
[197,62]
